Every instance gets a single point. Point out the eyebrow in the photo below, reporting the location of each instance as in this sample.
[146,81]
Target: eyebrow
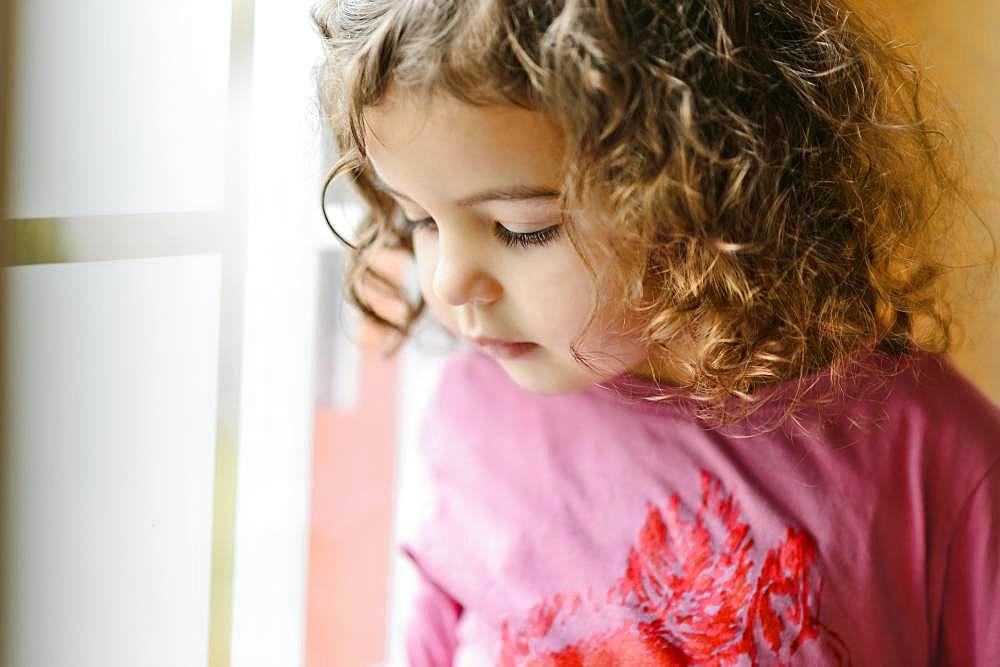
[508,193]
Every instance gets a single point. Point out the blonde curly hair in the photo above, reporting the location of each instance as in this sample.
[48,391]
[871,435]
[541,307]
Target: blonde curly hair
[779,192]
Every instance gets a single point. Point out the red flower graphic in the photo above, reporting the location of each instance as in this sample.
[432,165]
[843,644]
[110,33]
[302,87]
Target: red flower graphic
[685,598]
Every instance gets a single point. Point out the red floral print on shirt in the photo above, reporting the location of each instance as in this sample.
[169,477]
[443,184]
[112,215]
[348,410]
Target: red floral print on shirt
[691,594]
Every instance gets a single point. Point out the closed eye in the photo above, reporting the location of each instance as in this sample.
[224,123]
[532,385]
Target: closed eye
[536,238]
[507,237]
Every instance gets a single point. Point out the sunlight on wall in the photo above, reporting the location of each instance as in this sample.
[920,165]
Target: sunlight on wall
[958,41]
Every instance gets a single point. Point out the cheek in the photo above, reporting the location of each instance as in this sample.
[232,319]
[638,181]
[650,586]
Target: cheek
[560,288]
[566,301]
[580,296]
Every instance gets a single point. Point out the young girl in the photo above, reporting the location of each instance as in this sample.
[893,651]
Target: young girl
[704,417]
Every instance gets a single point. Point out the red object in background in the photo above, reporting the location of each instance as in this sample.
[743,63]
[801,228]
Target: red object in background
[353,484]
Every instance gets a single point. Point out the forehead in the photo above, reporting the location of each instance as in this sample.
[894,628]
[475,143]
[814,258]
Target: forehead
[443,147]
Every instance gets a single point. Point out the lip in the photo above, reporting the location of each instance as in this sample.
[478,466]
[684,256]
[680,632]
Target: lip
[503,349]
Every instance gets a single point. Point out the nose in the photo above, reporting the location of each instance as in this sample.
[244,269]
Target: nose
[461,275]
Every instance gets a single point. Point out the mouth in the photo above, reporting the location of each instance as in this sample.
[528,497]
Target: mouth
[503,349]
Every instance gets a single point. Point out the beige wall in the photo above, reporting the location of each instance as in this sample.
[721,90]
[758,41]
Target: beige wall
[959,41]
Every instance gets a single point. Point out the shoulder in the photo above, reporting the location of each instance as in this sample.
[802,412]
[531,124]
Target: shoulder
[932,391]
[937,409]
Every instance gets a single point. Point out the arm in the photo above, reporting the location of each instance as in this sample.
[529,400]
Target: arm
[433,619]
[970,615]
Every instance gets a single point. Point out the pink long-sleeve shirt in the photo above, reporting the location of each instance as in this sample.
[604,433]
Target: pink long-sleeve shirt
[597,528]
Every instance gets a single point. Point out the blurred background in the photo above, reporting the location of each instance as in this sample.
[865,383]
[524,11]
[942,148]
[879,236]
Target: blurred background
[205,460]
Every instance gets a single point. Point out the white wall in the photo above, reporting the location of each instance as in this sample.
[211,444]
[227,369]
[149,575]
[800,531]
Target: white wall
[125,188]
[285,235]
[109,477]
[118,106]
[161,177]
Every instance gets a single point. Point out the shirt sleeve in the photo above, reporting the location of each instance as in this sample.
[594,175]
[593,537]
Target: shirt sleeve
[970,617]
[432,623]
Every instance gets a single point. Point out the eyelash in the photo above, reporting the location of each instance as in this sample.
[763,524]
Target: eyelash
[502,234]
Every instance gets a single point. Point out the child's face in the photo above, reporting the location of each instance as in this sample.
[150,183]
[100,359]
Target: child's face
[434,155]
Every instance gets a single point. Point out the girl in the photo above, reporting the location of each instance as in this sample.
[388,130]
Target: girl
[705,417]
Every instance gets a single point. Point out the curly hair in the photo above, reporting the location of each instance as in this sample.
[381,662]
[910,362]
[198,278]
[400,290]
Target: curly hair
[778,193]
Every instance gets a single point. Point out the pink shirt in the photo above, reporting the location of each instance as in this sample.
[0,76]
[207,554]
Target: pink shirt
[599,529]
